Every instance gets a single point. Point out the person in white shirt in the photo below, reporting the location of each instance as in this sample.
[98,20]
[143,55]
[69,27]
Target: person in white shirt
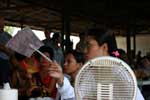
[74,60]
[99,43]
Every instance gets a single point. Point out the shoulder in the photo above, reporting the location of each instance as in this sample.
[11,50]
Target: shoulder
[139,95]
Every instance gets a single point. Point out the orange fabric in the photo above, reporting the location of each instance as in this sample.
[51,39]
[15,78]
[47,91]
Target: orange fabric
[31,65]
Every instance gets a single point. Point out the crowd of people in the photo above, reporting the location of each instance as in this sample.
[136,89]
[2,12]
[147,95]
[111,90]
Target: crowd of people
[35,77]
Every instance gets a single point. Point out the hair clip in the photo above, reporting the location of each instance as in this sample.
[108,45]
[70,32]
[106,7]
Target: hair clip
[116,53]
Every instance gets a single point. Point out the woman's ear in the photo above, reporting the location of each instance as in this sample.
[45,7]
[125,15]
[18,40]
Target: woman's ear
[80,65]
[105,48]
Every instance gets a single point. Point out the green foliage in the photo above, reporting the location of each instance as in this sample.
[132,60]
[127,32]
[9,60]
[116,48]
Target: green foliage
[9,29]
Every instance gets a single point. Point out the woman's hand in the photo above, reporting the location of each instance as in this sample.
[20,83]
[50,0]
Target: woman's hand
[55,71]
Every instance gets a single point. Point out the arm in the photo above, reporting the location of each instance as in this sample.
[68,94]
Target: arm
[63,85]
[66,90]
[139,95]
[14,79]
[16,82]
[51,87]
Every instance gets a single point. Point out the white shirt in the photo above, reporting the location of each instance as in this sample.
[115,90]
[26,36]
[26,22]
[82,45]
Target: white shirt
[66,91]
[139,95]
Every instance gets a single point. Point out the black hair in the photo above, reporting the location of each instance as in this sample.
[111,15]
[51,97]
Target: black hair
[82,34]
[120,53]
[47,49]
[102,36]
[56,35]
[79,56]
[19,56]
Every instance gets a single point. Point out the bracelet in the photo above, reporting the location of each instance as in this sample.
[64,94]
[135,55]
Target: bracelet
[60,85]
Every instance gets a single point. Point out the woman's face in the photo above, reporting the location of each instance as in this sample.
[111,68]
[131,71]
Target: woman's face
[94,50]
[71,66]
[44,62]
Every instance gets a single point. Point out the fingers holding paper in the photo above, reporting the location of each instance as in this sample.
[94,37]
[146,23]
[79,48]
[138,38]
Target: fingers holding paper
[55,71]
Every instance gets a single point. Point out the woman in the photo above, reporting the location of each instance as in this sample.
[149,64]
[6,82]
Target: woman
[99,43]
[43,84]
[73,62]
[20,78]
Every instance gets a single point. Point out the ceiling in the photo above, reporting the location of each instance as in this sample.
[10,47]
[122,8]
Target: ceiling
[129,15]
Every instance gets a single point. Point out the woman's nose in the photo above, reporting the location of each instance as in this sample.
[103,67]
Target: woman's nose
[65,63]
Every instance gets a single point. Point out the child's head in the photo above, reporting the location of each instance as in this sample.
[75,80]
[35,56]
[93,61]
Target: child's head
[47,51]
[73,62]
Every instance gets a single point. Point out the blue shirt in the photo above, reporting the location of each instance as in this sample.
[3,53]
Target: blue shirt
[4,38]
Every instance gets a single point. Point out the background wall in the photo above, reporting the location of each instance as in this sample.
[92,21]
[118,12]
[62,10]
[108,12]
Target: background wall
[142,43]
